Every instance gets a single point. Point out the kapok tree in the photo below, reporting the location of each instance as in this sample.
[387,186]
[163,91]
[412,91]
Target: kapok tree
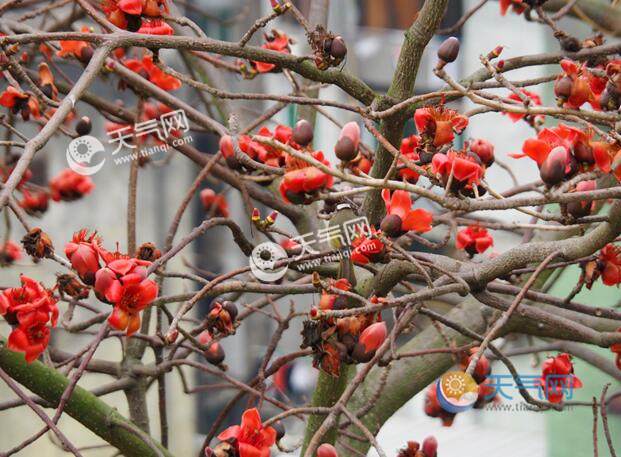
[360,336]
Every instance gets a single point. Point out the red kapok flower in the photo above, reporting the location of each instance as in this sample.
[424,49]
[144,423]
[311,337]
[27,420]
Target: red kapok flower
[10,252]
[155,27]
[517,6]
[400,217]
[366,248]
[277,41]
[408,150]
[31,340]
[29,304]
[439,123]
[473,239]
[557,377]
[302,180]
[575,87]
[83,253]
[69,185]
[153,73]
[616,349]
[548,139]
[81,50]
[534,100]
[483,149]
[610,261]
[328,300]
[214,202]
[18,101]
[34,202]
[123,282]
[373,336]
[250,438]
[465,168]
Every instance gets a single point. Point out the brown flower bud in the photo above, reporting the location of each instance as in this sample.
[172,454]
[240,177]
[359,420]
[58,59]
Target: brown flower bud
[231,308]
[391,225]
[148,252]
[563,87]
[38,244]
[303,133]
[584,153]
[430,446]
[553,168]
[345,149]
[84,126]
[569,43]
[338,49]
[359,354]
[86,54]
[214,354]
[449,50]
[70,285]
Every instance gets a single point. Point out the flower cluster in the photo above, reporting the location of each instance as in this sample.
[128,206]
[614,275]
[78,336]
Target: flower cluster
[557,377]
[274,41]
[117,278]
[429,448]
[29,309]
[352,339]
[140,16]
[564,150]
[400,217]
[474,239]
[249,439]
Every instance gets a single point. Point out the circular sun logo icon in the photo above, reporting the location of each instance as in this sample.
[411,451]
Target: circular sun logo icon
[457,391]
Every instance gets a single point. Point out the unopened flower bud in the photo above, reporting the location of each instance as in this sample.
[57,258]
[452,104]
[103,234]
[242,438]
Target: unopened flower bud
[552,169]
[449,50]
[338,49]
[327,450]
[256,215]
[430,446]
[345,149]
[303,133]
[563,87]
[84,126]
[391,225]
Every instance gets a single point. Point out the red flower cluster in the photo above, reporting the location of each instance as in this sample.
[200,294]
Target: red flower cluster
[214,202]
[10,252]
[474,239]
[121,281]
[29,309]
[141,16]
[408,150]
[20,103]
[534,99]
[81,50]
[465,168]
[517,6]
[367,248]
[429,448]
[439,124]
[69,185]
[400,217]
[610,261]
[256,151]
[302,181]
[578,86]
[563,150]
[147,68]
[251,438]
[557,377]
[276,41]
